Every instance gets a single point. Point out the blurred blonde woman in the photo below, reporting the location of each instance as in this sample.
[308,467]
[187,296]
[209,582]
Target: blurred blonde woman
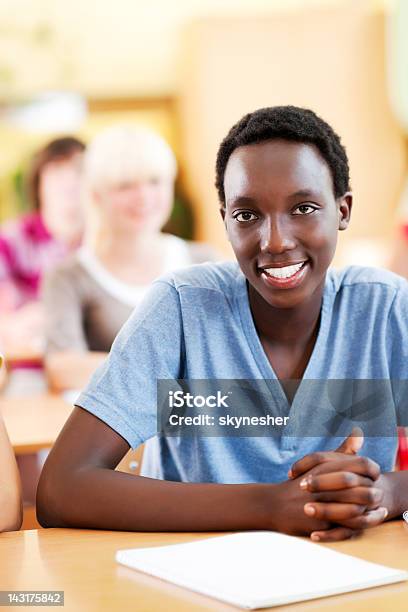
[11,512]
[129,179]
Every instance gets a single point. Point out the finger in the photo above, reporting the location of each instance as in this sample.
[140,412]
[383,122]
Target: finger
[333,511]
[368,519]
[349,463]
[353,443]
[333,481]
[334,535]
[370,497]
[350,446]
[335,462]
[308,462]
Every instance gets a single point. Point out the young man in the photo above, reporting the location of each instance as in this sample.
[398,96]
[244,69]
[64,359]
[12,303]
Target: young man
[277,315]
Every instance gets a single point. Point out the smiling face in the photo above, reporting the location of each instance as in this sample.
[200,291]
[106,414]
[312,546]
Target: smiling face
[282,219]
[143,205]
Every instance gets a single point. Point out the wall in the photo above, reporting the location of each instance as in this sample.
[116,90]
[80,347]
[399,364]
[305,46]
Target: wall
[18,145]
[109,48]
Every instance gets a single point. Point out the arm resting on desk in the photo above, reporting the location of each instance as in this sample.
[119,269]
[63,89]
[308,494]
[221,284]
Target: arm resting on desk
[79,487]
[71,369]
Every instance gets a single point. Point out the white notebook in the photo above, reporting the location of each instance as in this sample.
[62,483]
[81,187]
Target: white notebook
[259,569]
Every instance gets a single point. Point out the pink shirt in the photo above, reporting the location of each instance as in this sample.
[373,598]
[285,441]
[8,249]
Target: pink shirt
[27,251]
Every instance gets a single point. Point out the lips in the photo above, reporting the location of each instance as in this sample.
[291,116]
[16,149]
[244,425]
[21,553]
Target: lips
[285,275]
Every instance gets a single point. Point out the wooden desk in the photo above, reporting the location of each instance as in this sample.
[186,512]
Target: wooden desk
[82,564]
[34,423]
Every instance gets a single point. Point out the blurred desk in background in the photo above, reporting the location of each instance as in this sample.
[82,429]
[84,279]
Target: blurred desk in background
[33,423]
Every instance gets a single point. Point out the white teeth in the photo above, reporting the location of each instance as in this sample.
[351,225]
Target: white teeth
[285,272]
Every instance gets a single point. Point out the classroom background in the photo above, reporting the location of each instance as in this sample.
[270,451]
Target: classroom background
[188,70]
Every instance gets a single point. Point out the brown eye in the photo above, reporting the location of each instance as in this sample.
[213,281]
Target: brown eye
[304,209]
[245,216]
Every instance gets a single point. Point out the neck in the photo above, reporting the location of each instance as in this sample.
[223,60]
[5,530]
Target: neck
[288,326]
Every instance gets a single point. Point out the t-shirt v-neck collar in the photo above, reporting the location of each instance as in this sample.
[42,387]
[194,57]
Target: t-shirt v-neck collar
[266,370]
[302,402]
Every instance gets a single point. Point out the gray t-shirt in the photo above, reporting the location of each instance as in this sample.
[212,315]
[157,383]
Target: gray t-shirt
[85,309]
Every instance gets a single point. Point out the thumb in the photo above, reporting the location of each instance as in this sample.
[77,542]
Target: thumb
[352,444]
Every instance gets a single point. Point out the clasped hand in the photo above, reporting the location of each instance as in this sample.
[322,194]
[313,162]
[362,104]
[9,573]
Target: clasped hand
[340,492]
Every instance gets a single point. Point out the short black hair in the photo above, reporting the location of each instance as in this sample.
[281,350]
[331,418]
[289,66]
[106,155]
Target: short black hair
[287,123]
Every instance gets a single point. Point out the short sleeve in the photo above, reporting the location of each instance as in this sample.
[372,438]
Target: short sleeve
[63,305]
[123,391]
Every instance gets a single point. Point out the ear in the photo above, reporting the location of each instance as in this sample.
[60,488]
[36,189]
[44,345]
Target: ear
[344,210]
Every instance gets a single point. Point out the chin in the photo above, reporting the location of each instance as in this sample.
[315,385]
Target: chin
[288,299]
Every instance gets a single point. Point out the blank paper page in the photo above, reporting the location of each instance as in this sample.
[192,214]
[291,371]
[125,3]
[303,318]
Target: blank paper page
[259,569]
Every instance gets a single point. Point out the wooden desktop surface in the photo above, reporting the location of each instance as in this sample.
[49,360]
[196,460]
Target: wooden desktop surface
[82,564]
[33,423]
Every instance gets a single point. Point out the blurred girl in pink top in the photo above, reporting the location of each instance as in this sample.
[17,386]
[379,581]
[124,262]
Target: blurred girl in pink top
[34,243]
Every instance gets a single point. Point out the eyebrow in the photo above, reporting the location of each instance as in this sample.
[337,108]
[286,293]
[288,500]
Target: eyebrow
[240,200]
[303,193]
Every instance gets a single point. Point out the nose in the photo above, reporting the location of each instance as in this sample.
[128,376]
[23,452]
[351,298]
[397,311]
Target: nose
[139,194]
[276,237]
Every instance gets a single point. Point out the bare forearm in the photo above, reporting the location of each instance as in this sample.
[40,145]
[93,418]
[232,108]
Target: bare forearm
[105,499]
[71,369]
[79,487]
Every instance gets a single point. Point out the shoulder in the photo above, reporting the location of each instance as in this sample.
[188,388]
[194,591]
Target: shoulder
[70,267]
[365,280]
[21,241]
[369,293]
[13,233]
[220,277]
[68,275]
[28,227]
